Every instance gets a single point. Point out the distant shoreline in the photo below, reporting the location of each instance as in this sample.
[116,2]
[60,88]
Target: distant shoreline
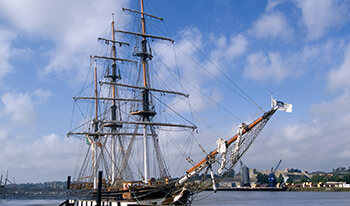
[318,189]
[289,189]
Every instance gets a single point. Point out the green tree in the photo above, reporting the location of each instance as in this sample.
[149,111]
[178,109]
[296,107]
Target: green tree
[336,178]
[280,179]
[303,179]
[290,180]
[318,178]
[262,178]
[347,178]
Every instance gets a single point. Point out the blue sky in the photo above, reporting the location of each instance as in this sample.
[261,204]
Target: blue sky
[299,50]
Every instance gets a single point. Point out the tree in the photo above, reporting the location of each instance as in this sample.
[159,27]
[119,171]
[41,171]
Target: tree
[294,170]
[318,178]
[347,178]
[262,178]
[303,179]
[290,180]
[280,179]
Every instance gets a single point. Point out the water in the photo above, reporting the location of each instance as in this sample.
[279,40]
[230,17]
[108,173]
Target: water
[240,198]
[29,202]
[237,198]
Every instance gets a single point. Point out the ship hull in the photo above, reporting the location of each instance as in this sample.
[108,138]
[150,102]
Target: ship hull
[162,195]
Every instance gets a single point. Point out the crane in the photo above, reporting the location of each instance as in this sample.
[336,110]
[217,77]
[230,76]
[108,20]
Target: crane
[272,177]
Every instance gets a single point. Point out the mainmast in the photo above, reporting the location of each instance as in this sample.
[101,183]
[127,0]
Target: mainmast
[113,107]
[146,114]
[145,96]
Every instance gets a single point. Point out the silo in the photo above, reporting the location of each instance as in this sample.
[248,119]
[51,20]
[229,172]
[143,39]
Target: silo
[245,181]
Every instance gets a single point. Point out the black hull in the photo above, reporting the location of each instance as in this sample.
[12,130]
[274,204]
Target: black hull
[151,195]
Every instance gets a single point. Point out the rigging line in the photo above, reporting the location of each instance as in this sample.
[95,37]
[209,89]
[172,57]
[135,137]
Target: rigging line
[228,78]
[172,74]
[71,118]
[188,158]
[206,123]
[81,171]
[230,88]
[180,82]
[84,87]
[110,156]
[78,159]
[214,102]
[173,110]
[182,34]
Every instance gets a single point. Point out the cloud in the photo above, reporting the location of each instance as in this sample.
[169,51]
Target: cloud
[20,107]
[320,16]
[6,37]
[72,29]
[187,62]
[39,160]
[271,4]
[262,67]
[227,50]
[317,141]
[318,144]
[272,25]
[339,78]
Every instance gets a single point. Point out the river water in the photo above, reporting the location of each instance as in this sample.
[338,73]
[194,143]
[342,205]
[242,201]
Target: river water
[237,198]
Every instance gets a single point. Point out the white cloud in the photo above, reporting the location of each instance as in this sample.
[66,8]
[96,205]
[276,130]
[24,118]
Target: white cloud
[339,78]
[227,49]
[20,107]
[3,134]
[73,27]
[262,67]
[272,25]
[320,16]
[320,144]
[271,4]
[39,160]
[41,95]
[6,37]
[188,63]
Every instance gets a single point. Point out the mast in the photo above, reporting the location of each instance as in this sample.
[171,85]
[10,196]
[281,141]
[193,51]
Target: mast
[113,108]
[145,96]
[95,138]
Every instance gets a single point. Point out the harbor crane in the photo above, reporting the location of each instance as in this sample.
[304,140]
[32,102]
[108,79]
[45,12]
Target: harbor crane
[272,176]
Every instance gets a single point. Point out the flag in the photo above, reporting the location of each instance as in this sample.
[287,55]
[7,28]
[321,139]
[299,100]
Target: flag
[282,105]
[87,141]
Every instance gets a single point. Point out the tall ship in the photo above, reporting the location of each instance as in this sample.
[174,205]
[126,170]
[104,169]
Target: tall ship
[131,112]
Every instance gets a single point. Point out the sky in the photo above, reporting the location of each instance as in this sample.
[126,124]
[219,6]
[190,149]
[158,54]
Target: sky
[297,49]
